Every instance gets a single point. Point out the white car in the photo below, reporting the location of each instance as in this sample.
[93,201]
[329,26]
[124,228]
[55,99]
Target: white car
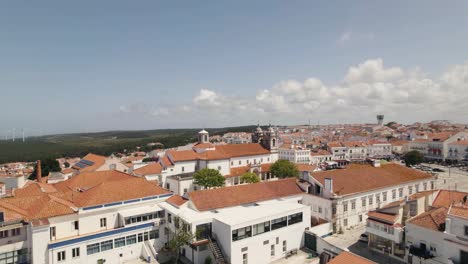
[364,238]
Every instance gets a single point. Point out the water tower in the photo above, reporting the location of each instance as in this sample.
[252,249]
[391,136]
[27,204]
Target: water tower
[380,119]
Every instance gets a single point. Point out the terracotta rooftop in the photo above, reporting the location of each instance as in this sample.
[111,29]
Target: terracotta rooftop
[96,160]
[153,168]
[358,178]
[305,167]
[432,219]
[421,194]
[220,152]
[445,198]
[346,257]
[176,200]
[460,143]
[243,194]
[459,211]
[386,217]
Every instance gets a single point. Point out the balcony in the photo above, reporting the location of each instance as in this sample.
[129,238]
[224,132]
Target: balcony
[388,232]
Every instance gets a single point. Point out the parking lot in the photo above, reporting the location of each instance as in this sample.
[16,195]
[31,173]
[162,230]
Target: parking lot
[452,178]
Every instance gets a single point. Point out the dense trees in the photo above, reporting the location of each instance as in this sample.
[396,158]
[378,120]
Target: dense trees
[284,169]
[208,178]
[249,177]
[413,157]
[47,165]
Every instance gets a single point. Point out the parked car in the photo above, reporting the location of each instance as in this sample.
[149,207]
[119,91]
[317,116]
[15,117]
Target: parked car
[364,238]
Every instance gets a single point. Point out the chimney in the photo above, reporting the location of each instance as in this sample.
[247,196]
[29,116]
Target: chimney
[38,172]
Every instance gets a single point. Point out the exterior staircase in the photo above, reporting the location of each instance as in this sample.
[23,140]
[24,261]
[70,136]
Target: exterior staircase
[216,250]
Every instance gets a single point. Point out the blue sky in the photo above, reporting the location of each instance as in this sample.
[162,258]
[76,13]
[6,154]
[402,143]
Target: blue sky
[99,65]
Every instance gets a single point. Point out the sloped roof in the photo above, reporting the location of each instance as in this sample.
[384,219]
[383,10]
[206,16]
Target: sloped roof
[361,178]
[243,194]
[153,168]
[97,161]
[432,219]
[459,211]
[445,198]
[220,152]
[346,257]
[386,217]
[176,200]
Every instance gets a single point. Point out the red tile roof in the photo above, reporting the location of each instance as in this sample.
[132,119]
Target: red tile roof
[386,217]
[460,143]
[445,198]
[432,219]
[460,211]
[177,200]
[358,178]
[243,194]
[346,257]
[153,168]
[96,159]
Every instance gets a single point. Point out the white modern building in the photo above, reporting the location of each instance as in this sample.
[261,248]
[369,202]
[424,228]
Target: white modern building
[94,217]
[254,223]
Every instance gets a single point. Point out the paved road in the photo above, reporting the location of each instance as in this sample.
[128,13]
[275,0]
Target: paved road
[360,248]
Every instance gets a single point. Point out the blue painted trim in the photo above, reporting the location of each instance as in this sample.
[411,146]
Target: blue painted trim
[166,195]
[112,204]
[92,207]
[132,201]
[99,235]
[149,198]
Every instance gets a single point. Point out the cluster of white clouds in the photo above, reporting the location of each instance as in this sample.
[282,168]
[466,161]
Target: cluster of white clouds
[367,89]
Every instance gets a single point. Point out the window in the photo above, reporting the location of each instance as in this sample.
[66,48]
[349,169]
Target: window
[119,242]
[284,246]
[107,245]
[16,231]
[360,218]
[384,196]
[61,256]
[410,190]
[400,192]
[266,242]
[393,194]
[219,168]
[261,228]
[3,233]
[320,209]
[466,230]
[333,209]
[154,234]
[345,207]
[277,240]
[183,169]
[294,218]
[416,186]
[377,198]
[240,162]
[244,258]
[279,222]
[75,225]
[140,237]
[241,233]
[103,222]
[52,232]
[244,249]
[130,239]
[75,252]
[272,251]
[353,204]
[169,218]
[345,222]
[92,249]
[425,186]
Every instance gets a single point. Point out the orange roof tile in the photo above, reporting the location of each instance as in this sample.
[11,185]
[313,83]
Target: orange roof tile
[176,200]
[361,178]
[243,194]
[460,143]
[346,257]
[305,167]
[445,198]
[153,168]
[96,159]
[432,219]
[459,211]
[386,217]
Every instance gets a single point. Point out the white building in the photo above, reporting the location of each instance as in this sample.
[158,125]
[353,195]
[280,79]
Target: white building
[436,146]
[254,223]
[458,151]
[320,156]
[94,217]
[358,189]
[294,153]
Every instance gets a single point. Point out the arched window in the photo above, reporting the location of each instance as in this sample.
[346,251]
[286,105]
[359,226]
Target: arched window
[274,142]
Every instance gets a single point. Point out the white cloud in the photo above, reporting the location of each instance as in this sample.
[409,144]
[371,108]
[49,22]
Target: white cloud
[365,90]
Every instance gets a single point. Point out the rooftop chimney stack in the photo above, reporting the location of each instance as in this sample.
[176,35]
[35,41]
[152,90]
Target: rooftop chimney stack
[38,172]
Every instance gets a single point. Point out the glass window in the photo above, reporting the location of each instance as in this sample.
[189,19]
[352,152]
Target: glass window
[60,256]
[294,218]
[107,245]
[140,237]
[119,242]
[261,228]
[284,246]
[154,234]
[244,258]
[75,252]
[279,222]
[272,251]
[92,249]
[131,239]
[241,233]
[146,236]
[103,222]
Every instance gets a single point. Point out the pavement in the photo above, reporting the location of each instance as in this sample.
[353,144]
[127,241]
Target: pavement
[302,257]
[451,178]
[347,239]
